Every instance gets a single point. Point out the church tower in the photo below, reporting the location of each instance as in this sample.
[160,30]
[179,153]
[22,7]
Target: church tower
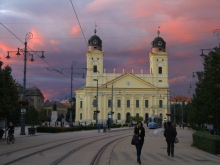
[94,59]
[159,62]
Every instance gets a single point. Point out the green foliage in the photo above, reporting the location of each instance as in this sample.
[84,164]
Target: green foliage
[197,128]
[8,95]
[136,118]
[68,114]
[31,114]
[206,141]
[206,100]
[70,129]
[54,129]
[42,115]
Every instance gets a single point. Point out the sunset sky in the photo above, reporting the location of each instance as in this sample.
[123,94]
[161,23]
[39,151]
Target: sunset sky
[126,28]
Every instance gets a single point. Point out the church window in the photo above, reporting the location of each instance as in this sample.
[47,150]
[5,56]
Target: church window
[95,69]
[160,80]
[119,116]
[137,103]
[80,116]
[119,104]
[109,103]
[146,103]
[159,70]
[160,103]
[137,114]
[128,103]
[97,58]
[81,104]
[92,58]
[157,59]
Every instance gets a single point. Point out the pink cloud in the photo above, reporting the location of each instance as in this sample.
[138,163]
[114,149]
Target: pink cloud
[53,42]
[75,30]
[177,80]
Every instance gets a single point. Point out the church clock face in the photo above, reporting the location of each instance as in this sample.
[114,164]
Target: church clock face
[160,43]
[95,41]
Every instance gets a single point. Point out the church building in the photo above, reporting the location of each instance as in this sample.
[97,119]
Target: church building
[124,94]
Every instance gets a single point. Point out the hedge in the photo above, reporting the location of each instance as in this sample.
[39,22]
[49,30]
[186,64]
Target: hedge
[206,141]
[44,129]
[196,128]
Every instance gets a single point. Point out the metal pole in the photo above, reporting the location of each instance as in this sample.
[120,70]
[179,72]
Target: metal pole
[111,107]
[97,103]
[182,112]
[24,89]
[71,97]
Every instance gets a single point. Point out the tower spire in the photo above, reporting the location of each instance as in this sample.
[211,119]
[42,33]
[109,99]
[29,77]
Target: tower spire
[95,28]
[158,32]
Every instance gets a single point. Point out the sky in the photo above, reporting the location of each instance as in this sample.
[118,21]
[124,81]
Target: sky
[126,27]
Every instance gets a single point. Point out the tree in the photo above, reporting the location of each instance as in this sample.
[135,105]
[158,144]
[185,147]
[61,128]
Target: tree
[42,115]
[8,95]
[136,118]
[206,100]
[31,114]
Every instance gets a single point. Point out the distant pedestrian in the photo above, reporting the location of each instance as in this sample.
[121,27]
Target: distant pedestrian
[140,132]
[170,134]
[104,127]
[99,128]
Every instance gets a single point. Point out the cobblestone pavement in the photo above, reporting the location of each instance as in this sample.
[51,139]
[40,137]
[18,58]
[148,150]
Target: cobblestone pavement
[154,151]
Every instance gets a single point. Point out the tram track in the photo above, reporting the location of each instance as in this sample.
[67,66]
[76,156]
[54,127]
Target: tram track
[42,144]
[96,158]
[54,146]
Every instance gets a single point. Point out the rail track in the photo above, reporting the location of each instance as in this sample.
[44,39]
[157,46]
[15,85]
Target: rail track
[56,146]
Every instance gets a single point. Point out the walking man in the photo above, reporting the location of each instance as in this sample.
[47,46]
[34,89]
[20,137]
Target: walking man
[170,134]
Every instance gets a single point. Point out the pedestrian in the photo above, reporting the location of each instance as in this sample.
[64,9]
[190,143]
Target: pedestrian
[104,127]
[170,134]
[99,128]
[140,132]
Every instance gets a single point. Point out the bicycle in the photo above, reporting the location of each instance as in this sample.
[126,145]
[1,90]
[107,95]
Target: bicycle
[10,139]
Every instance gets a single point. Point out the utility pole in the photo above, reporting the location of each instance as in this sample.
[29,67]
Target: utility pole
[71,96]
[25,52]
[111,107]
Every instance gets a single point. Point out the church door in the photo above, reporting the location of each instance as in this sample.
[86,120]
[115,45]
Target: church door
[127,117]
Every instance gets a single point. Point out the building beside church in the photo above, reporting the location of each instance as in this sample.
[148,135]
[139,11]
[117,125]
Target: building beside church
[33,95]
[133,94]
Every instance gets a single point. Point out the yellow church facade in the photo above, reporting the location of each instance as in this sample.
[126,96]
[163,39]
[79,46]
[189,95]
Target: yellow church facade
[130,93]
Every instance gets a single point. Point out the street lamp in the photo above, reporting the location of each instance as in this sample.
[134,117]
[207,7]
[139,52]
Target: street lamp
[111,119]
[18,53]
[96,111]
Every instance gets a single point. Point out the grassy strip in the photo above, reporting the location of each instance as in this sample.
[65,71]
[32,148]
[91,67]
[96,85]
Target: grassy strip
[206,141]
[44,129]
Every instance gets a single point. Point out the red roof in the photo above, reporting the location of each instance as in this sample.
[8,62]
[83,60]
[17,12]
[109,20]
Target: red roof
[180,99]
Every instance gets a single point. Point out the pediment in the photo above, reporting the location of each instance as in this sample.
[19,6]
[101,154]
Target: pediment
[129,80]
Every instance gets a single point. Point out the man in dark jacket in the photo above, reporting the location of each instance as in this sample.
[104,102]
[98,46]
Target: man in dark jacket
[170,134]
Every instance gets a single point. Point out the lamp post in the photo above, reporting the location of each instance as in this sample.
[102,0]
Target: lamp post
[96,111]
[25,52]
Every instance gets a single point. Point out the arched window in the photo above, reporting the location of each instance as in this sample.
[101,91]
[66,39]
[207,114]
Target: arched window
[161,116]
[119,116]
[146,117]
[137,114]
[127,117]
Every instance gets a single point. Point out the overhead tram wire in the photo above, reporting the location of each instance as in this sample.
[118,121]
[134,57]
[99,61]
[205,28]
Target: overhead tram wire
[37,53]
[78,21]
[59,23]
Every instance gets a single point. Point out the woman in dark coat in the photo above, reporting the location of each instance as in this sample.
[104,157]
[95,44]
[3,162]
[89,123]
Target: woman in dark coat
[140,132]
[170,134]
